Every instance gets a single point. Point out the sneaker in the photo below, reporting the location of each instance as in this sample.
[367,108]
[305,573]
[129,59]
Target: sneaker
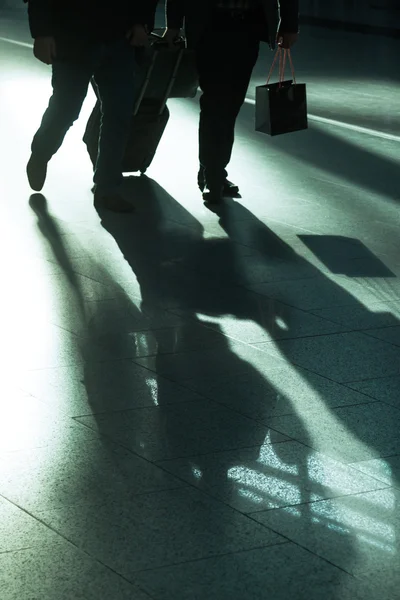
[113,202]
[36,169]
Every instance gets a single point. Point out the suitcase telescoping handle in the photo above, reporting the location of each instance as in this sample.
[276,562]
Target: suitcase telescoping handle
[179,56]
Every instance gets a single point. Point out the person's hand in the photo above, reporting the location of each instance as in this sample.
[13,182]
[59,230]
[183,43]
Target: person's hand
[138,36]
[44,49]
[287,40]
[170,36]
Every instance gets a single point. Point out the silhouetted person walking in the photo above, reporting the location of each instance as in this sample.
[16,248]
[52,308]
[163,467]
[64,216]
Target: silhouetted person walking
[82,39]
[226,35]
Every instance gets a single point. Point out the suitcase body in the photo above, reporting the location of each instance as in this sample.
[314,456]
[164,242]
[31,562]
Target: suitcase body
[150,116]
[146,130]
[177,65]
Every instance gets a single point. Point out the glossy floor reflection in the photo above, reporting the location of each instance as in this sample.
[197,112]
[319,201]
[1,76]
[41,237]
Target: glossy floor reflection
[204,404]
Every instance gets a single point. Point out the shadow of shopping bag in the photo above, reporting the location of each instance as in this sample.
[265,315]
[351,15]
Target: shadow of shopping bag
[281,107]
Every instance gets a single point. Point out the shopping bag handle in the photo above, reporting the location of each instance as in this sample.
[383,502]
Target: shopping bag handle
[282,54]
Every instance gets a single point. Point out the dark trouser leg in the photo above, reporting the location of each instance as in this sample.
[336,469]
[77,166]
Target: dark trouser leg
[70,84]
[114,78]
[225,62]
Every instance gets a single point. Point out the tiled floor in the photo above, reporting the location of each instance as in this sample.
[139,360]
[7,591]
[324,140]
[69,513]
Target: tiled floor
[201,405]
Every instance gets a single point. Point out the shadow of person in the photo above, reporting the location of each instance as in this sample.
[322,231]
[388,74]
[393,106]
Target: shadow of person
[102,380]
[50,231]
[233,454]
[355,429]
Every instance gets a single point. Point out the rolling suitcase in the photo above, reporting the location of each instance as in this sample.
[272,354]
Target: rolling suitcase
[146,130]
[179,60]
[149,120]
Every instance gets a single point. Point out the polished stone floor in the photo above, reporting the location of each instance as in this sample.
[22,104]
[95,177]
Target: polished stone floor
[202,405]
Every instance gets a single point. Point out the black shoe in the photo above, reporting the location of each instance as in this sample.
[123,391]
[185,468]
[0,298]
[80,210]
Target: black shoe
[113,202]
[229,190]
[36,169]
[213,195]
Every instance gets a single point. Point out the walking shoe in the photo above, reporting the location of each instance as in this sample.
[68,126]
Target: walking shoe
[229,190]
[36,169]
[114,202]
[213,195]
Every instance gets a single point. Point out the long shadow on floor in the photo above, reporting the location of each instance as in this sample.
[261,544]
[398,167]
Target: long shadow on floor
[171,264]
[225,441]
[345,160]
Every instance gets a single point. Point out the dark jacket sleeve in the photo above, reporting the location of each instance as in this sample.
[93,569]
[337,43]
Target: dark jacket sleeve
[144,12]
[175,13]
[289,16]
[40,17]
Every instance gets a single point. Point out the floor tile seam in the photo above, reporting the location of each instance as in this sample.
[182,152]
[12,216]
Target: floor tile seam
[133,497]
[202,400]
[15,550]
[74,363]
[131,357]
[215,556]
[75,271]
[209,491]
[379,339]
[249,286]
[77,336]
[341,460]
[283,368]
[142,408]
[312,310]
[158,462]
[129,331]
[289,540]
[315,411]
[256,344]
[308,203]
[212,401]
[153,462]
[366,393]
[374,476]
[260,421]
[238,283]
[304,368]
[354,466]
[386,404]
[320,500]
[391,376]
[37,519]
[369,379]
[343,329]
[395,455]
[80,549]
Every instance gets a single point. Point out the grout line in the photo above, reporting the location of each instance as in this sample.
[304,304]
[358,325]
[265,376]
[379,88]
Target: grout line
[264,511]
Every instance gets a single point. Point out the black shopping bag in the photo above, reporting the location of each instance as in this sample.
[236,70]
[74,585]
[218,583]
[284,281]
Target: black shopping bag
[281,107]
